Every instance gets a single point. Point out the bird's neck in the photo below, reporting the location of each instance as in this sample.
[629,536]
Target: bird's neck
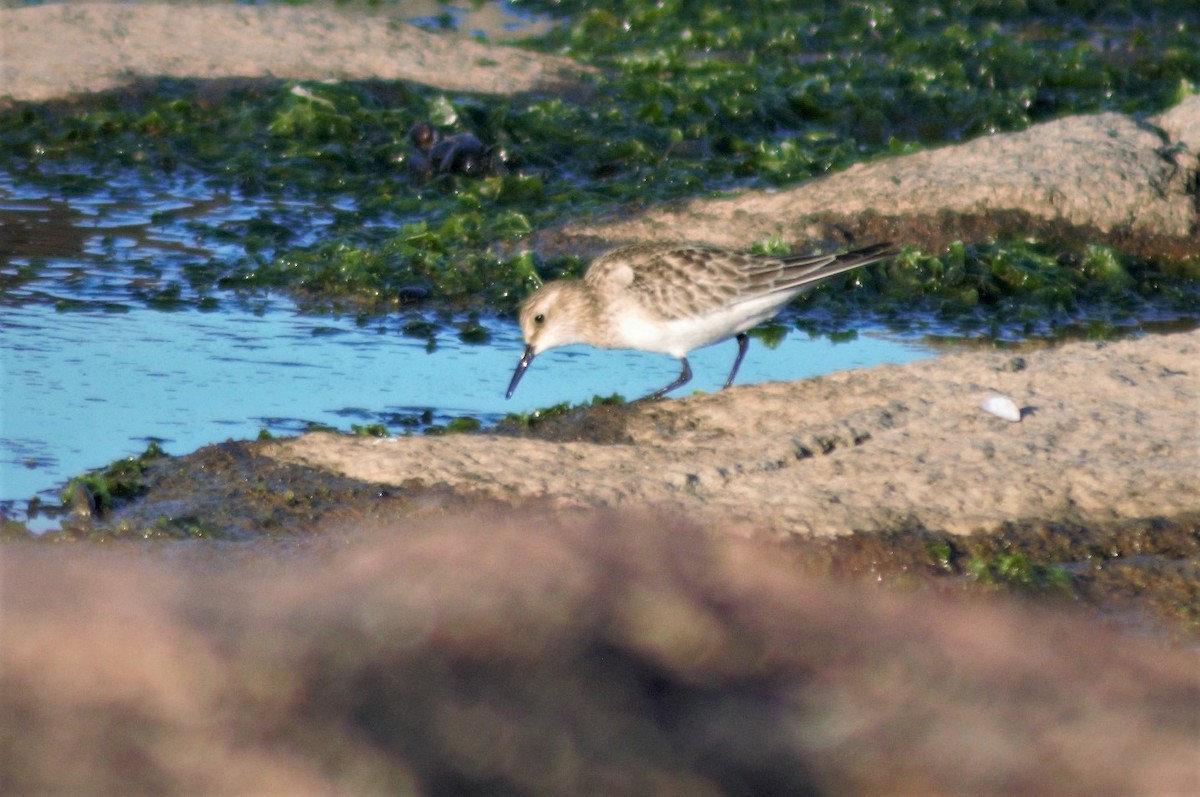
[590,323]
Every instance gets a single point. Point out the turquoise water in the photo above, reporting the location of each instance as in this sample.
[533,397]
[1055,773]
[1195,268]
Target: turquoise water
[81,389]
[92,367]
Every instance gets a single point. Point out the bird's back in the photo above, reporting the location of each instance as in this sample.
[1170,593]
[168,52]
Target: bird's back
[682,281]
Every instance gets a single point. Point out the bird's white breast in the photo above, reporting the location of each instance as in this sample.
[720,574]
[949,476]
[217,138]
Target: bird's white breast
[677,337]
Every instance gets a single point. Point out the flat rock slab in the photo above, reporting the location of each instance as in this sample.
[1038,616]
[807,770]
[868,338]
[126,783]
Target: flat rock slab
[1109,431]
[56,50]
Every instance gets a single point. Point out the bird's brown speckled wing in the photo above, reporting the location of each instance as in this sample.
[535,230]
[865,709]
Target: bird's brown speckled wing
[681,280]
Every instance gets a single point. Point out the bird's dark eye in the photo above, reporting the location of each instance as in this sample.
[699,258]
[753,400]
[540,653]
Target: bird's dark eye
[540,318]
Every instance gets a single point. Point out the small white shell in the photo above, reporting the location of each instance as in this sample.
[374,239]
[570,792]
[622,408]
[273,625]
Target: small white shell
[1002,407]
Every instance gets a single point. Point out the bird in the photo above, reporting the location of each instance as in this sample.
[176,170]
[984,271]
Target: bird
[673,298]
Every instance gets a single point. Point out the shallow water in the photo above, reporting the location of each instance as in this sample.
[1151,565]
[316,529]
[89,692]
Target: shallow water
[83,388]
[105,345]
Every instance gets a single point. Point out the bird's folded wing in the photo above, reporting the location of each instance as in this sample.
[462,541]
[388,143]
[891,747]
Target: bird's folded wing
[685,282]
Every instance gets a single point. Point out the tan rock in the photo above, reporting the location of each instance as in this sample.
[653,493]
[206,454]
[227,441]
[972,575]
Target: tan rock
[59,49]
[1109,431]
[1104,178]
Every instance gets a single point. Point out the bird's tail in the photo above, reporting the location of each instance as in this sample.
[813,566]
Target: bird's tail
[805,269]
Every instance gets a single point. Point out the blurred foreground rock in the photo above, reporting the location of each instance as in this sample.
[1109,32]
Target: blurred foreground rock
[528,655]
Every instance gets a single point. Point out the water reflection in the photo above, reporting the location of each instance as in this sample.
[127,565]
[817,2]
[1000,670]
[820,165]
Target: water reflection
[45,228]
[495,21]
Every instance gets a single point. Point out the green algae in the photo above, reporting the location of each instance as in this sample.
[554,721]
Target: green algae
[460,425]
[100,491]
[1014,570]
[526,421]
[1018,289]
[369,430]
[693,98]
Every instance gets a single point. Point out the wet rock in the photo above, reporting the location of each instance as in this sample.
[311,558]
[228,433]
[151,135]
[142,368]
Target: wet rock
[232,491]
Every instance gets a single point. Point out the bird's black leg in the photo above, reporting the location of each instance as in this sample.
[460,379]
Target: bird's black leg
[685,376]
[743,341]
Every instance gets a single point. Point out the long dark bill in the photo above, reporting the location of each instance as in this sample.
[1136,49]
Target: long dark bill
[526,359]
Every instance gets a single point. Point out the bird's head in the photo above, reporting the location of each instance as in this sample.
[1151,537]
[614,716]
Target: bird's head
[556,314]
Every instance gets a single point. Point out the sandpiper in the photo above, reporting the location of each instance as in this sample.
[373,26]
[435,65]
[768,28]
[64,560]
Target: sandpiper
[673,298]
